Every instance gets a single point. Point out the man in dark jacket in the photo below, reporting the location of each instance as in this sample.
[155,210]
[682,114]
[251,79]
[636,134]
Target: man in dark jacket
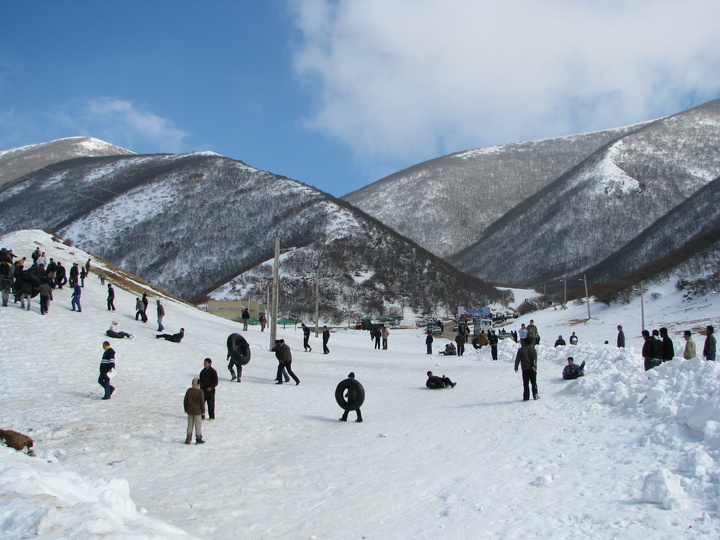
[647,352]
[668,349]
[284,356]
[175,338]
[710,346]
[208,382]
[527,357]
[434,382]
[572,370]
[326,338]
[428,342]
[306,338]
[460,340]
[111,298]
[107,364]
[194,405]
[620,337]
[493,341]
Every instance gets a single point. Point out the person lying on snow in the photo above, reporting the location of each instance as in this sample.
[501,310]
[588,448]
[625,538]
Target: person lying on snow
[434,382]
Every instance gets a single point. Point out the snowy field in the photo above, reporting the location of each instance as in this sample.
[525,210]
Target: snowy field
[618,454]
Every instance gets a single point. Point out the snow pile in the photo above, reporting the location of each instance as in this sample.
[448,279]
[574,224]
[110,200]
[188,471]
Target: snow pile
[40,499]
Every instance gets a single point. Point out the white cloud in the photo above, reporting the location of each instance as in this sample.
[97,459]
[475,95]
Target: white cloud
[114,120]
[409,79]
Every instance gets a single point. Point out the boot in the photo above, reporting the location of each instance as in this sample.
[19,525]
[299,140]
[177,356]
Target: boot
[199,441]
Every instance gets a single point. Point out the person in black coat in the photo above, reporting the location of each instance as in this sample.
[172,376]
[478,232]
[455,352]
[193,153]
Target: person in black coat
[493,342]
[208,382]
[284,357]
[107,364]
[306,338]
[428,342]
[175,338]
[326,338]
[620,337]
[647,352]
[111,298]
[435,382]
[559,342]
[668,348]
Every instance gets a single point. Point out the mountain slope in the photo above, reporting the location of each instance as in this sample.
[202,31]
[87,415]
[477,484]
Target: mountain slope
[596,208]
[20,161]
[193,222]
[445,204]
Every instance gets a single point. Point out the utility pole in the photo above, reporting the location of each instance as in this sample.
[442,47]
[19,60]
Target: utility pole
[275,294]
[587,296]
[317,302]
[642,307]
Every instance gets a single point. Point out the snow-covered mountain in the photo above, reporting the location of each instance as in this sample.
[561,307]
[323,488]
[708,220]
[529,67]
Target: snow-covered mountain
[192,223]
[596,208]
[18,162]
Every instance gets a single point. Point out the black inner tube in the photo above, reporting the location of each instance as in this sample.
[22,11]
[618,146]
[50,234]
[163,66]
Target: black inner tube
[355,394]
[238,349]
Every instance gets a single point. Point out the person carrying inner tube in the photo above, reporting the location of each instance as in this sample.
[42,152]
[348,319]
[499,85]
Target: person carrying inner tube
[354,396]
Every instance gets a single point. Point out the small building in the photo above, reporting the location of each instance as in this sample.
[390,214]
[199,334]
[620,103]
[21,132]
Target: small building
[231,309]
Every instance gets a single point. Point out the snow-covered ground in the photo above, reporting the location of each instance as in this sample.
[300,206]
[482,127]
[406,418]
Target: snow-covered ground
[618,454]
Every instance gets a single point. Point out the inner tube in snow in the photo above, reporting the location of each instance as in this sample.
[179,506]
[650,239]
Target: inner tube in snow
[32,278]
[238,349]
[355,394]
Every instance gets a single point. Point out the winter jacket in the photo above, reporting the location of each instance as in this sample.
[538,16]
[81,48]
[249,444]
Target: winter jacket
[690,349]
[108,360]
[194,402]
[527,357]
[282,353]
[668,349]
[710,347]
[208,378]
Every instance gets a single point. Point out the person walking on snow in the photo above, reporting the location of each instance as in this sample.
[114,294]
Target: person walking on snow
[284,357]
[527,358]
[75,302]
[107,364]
[245,318]
[326,338]
[111,298]
[306,338]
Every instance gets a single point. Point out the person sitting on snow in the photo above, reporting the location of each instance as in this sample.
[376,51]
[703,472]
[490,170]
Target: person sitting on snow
[115,332]
[434,382]
[450,350]
[176,338]
[573,371]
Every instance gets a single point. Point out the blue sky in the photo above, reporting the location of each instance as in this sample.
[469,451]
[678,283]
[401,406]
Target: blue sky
[339,93]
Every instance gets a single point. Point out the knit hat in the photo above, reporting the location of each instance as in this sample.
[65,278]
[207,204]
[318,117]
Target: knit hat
[351,375]
[196,383]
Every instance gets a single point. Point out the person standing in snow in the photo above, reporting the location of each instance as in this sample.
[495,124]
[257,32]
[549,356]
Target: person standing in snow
[326,338]
[194,405]
[428,342]
[493,341]
[284,357]
[208,382]
[145,303]
[710,347]
[74,274]
[245,318]
[668,348]
[111,298]
[648,351]
[559,342]
[107,364]
[45,295]
[532,333]
[620,337]
[527,358]
[460,340]
[77,293]
[573,339]
[690,351]
[377,334]
[263,321]
[306,338]
[385,333]
[160,315]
